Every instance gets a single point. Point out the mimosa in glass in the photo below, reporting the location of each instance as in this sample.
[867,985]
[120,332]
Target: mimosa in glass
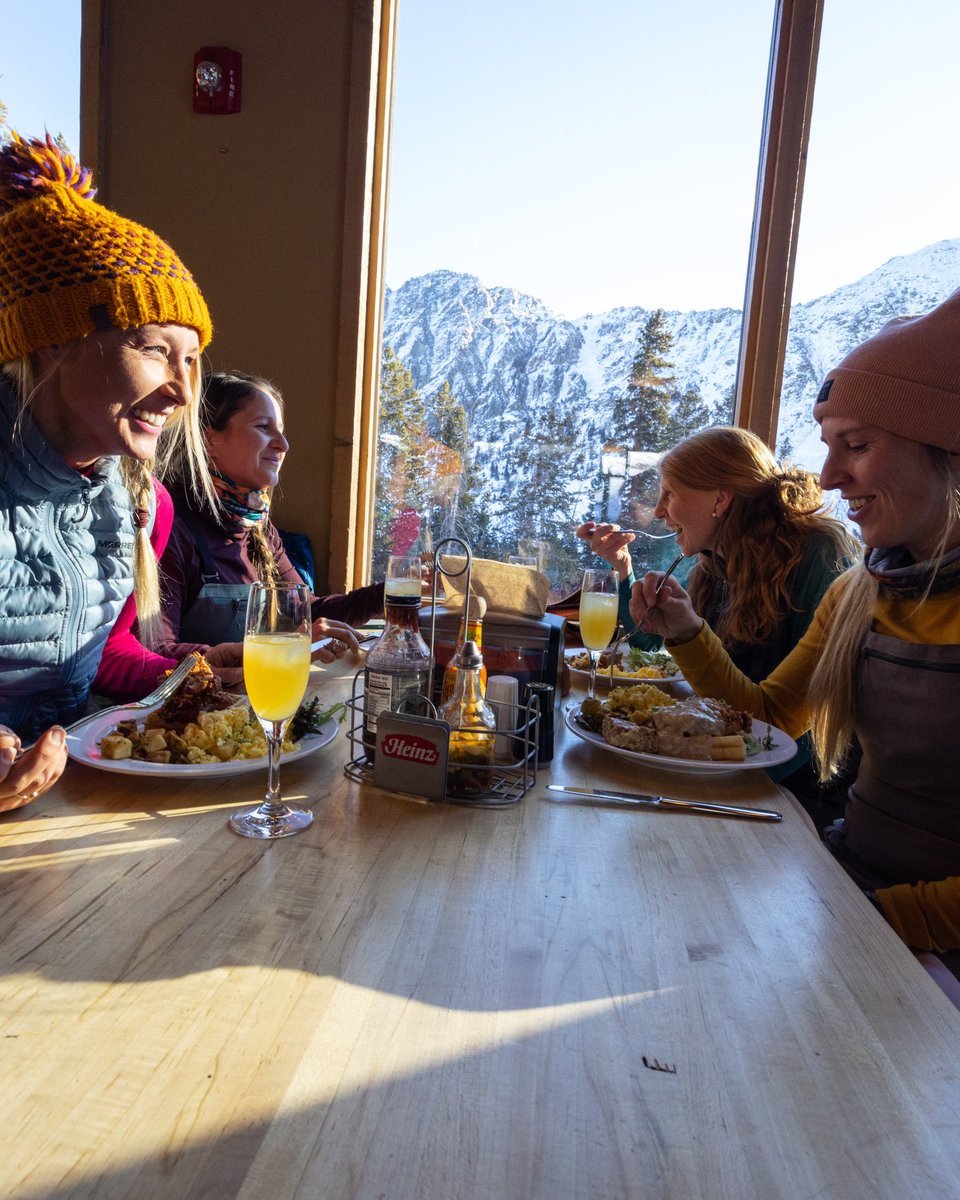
[276,664]
[599,603]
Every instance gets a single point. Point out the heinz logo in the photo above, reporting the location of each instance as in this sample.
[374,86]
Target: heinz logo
[403,745]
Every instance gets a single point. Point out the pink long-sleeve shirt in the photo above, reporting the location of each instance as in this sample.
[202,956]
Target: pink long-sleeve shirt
[128,670]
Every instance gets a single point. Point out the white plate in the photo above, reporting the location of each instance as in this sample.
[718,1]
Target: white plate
[82,747]
[603,673]
[784,748]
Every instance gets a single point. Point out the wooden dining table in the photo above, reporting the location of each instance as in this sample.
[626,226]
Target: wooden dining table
[559,999]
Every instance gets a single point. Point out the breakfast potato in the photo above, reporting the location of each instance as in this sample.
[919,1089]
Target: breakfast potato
[116,746]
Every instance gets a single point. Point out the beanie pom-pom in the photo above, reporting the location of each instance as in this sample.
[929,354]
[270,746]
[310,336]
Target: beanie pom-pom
[28,168]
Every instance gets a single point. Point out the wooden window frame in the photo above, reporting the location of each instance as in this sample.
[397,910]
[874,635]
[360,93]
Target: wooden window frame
[795,46]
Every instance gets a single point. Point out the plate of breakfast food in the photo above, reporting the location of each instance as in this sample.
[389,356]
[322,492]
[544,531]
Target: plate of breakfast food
[647,725]
[200,732]
[632,665]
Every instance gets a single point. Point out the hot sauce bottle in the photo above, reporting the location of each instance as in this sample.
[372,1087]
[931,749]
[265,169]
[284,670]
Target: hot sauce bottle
[470,630]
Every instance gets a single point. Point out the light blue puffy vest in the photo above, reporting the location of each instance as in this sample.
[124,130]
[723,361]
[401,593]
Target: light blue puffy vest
[66,567]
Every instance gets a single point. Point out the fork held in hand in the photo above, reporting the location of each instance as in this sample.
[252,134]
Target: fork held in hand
[654,537]
[624,637]
[668,572]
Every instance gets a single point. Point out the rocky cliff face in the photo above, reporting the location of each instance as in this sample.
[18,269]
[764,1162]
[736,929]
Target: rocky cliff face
[507,356]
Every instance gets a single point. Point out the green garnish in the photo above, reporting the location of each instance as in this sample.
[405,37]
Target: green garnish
[660,659]
[310,718]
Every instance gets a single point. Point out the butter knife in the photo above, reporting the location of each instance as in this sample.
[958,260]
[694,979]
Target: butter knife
[666,802]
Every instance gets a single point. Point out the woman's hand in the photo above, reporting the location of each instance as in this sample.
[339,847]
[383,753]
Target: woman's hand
[226,660]
[25,778]
[610,543]
[669,614]
[344,643]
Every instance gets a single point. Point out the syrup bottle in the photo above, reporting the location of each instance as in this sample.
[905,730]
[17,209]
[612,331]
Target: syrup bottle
[397,667]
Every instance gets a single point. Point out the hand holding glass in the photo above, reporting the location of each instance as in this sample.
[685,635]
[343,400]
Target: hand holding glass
[599,604]
[276,663]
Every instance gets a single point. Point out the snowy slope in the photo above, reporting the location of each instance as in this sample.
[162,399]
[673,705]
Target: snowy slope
[507,356]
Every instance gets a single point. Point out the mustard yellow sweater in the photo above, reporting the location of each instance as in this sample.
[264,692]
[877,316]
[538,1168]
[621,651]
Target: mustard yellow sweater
[925,915]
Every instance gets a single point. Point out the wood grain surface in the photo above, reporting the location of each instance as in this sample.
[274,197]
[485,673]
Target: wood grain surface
[433,1001]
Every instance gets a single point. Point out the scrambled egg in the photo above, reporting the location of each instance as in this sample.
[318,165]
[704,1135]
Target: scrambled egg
[231,733]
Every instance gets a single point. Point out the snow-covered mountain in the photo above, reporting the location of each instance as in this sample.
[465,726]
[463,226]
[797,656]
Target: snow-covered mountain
[507,356]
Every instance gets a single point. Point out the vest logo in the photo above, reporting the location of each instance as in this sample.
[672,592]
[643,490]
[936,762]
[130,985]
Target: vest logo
[109,546]
[407,746]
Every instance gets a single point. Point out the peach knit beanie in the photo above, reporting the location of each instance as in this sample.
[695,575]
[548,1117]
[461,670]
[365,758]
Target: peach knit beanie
[70,266]
[905,379]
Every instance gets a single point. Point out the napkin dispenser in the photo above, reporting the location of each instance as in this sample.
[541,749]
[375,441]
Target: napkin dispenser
[528,648]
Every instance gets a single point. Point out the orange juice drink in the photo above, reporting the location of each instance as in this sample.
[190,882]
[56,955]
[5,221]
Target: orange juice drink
[275,670]
[598,619]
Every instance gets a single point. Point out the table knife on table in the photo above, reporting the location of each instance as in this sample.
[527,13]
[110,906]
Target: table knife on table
[667,803]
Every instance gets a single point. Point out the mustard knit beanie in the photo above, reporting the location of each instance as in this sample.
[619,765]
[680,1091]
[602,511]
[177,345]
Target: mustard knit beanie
[905,379]
[69,266]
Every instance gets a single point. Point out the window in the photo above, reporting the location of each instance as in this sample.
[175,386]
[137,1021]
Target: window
[571,200]
[880,235]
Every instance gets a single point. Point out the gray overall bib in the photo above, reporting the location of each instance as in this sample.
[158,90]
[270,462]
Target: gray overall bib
[219,611]
[903,815]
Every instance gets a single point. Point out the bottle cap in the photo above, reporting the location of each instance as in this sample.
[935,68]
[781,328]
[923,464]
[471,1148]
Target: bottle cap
[470,657]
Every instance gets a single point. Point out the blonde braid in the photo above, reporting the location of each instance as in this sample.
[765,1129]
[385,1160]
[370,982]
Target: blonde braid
[262,555]
[831,692]
[138,480]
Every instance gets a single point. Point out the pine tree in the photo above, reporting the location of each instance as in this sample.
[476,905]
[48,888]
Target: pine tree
[723,409]
[641,416]
[688,413]
[456,484]
[541,505]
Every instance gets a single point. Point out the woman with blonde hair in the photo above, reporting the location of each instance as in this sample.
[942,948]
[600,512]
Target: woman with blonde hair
[765,551]
[101,330]
[881,660]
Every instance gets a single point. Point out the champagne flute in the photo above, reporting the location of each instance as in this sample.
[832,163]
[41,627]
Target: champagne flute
[276,663]
[599,606]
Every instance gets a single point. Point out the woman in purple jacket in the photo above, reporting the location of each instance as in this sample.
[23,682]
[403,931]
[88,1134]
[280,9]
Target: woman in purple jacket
[221,543]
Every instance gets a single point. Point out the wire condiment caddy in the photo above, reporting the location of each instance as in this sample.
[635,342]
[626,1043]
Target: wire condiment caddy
[498,784]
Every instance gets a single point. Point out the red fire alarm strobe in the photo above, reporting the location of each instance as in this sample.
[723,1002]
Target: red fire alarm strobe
[216,80]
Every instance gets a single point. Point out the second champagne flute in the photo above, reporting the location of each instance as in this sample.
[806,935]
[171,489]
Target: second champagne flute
[276,663]
[599,604]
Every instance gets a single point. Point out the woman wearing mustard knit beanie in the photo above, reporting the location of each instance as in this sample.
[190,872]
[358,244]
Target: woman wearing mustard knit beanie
[881,660]
[101,331]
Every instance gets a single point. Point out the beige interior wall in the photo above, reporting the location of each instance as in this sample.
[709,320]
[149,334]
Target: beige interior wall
[254,203]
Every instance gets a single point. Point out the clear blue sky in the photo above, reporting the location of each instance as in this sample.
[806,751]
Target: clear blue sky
[40,66]
[604,153]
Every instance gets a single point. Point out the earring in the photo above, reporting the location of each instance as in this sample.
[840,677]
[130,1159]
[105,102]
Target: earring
[715,515]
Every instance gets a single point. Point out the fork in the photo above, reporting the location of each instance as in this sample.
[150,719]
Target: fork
[654,537]
[161,692]
[624,637]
